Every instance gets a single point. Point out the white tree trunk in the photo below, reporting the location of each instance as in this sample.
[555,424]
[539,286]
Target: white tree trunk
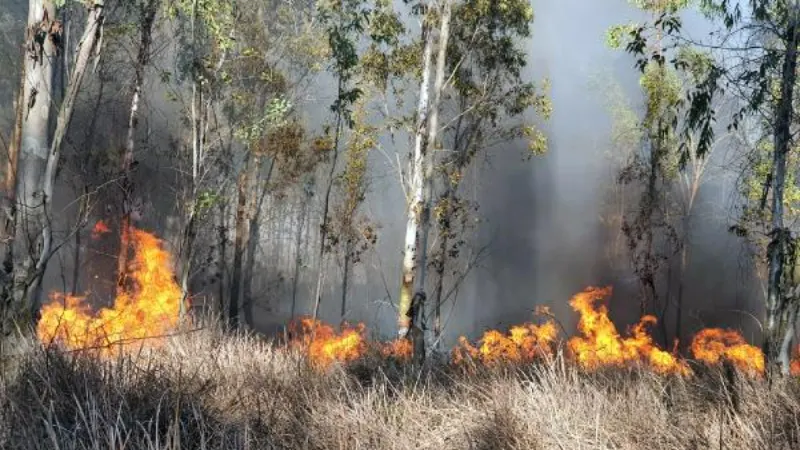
[89,42]
[430,144]
[416,189]
[37,98]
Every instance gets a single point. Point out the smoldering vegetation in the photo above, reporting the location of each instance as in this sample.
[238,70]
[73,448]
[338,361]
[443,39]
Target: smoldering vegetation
[211,390]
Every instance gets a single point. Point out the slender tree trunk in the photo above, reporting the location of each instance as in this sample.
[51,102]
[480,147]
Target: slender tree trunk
[778,314]
[240,239]
[441,264]
[83,211]
[298,254]
[187,244]
[345,277]
[324,227]
[404,322]
[248,303]
[222,261]
[90,42]
[147,15]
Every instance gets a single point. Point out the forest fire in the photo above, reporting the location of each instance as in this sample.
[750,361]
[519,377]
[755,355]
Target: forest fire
[324,345]
[523,343]
[715,345]
[144,312]
[602,346]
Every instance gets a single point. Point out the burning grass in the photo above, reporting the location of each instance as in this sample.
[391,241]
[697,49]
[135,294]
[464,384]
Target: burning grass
[208,390]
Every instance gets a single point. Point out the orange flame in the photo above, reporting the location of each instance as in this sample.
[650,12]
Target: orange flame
[601,345]
[400,349]
[794,366]
[713,345]
[99,229]
[522,343]
[147,311]
[323,345]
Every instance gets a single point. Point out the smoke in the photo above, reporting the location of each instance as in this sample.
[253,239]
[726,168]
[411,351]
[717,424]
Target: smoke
[540,231]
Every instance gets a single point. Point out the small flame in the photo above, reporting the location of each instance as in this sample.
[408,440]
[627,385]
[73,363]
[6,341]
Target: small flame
[522,343]
[794,367]
[602,346]
[323,345]
[100,228]
[400,349]
[147,311]
[713,345]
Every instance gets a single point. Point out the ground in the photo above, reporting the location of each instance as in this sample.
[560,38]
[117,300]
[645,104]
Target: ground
[209,390]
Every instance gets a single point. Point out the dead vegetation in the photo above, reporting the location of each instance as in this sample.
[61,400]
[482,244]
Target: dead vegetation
[205,390]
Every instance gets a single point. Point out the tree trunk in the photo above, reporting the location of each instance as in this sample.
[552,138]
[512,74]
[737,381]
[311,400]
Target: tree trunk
[427,132]
[31,154]
[240,239]
[147,15]
[222,258]
[326,207]
[345,277]
[298,254]
[248,303]
[89,43]
[405,318]
[441,264]
[778,309]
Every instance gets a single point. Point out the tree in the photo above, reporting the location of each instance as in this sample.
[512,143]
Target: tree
[146,11]
[761,50]
[344,22]
[39,153]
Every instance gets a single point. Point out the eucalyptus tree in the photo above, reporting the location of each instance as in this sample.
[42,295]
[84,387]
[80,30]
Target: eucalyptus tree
[37,155]
[756,50]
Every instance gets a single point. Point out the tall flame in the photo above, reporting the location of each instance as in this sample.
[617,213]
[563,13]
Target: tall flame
[601,345]
[147,311]
[713,345]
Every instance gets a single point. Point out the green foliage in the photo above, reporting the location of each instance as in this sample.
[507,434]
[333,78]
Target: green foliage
[486,44]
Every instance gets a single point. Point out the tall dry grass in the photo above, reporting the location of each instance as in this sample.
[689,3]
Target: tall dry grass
[206,390]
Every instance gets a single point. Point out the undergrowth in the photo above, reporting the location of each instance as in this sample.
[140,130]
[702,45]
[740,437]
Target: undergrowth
[206,390]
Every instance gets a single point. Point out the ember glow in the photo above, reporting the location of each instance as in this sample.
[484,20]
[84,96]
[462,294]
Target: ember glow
[715,345]
[600,344]
[145,312]
[323,345]
[399,349]
[99,229]
[522,343]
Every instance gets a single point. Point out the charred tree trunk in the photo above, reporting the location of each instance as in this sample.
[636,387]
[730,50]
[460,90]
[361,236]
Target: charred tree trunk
[779,312]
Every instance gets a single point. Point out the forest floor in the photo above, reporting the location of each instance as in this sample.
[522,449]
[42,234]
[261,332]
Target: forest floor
[206,390]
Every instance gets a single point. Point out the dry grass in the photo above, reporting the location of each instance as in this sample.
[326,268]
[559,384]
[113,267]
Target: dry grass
[209,391]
